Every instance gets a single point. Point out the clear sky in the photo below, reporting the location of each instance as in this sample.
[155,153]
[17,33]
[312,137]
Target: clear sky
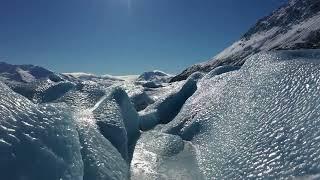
[122,36]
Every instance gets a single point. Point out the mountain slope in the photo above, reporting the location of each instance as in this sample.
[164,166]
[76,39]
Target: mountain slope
[25,73]
[295,25]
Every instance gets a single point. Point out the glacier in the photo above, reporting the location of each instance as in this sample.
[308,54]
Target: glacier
[108,126]
[74,136]
[259,122]
[163,156]
[250,112]
[118,121]
[37,141]
[168,106]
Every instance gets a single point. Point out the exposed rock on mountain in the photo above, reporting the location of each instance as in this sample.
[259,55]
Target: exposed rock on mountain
[295,25]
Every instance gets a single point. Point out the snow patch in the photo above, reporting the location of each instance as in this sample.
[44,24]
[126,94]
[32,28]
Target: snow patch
[25,75]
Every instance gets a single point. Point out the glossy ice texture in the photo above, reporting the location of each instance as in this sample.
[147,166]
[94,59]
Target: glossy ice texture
[87,134]
[108,128]
[258,122]
[163,156]
[261,121]
[37,141]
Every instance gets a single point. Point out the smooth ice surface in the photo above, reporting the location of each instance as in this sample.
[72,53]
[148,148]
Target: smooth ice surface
[37,141]
[164,156]
[261,121]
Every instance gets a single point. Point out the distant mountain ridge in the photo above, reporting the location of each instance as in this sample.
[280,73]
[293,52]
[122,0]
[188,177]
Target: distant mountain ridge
[295,25]
[24,73]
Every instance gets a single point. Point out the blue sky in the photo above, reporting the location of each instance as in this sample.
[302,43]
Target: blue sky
[122,36]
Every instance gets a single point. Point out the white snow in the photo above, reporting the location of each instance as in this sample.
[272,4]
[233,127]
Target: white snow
[92,77]
[78,74]
[83,75]
[278,35]
[155,76]
[127,77]
[270,39]
[25,75]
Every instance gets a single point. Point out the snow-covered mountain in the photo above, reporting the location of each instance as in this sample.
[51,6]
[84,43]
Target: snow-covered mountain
[295,25]
[78,77]
[25,73]
[34,82]
[153,79]
[155,75]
